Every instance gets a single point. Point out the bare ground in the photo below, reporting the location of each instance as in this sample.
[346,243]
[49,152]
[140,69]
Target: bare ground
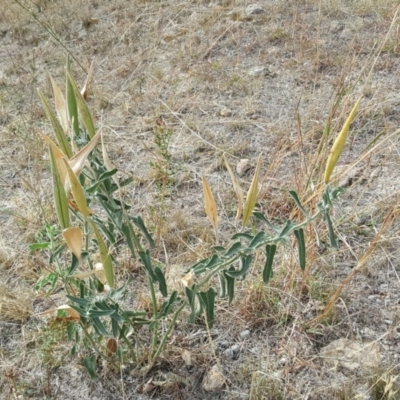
[236,78]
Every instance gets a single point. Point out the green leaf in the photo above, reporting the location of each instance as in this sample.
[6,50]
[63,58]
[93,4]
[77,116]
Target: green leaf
[107,175]
[335,192]
[83,108]
[208,300]
[104,255]
[99,313]
[130,237]
[50,279]
[74,265]
[167,306]
[99,327]
[287,228]
[145,257]
[82,312]
[270,250]
[199,267]
[245,263]
[240,235]
[57,252]
[302,247]
[120,354]
[161,281]
[260,237]
[90,365]
[71,102]
[296,199]
[126,181]
[79,300]
[260,216]
[39,246]
[235,248]
[195,304]
[332,236]
[222,285]
[71,330]
[115,328]
[230,283]
[218,249]
[138,221]
[213,262]
[107,232]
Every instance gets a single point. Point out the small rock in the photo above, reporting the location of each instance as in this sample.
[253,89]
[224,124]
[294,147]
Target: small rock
[225,112]
[357,23]
[256,71]
[346,34]
[351,354]
[243,166]
[368,333]
[228,353]
[252,9]
[213,380]
[235,348]
[245,334]
[336,26]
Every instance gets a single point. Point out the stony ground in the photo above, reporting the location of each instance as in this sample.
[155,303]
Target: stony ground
[227,77]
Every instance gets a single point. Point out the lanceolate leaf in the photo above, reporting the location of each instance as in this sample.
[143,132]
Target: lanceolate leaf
[264,219]
[77,162]
[233,249]
[213,262]
[210,205]
[230,283]
[58,156]
[71,102]
[339,143]
[74,239]
[286,229]
[104,255]
[269,253]
[84,90]
[238,190]
[77,191]
[138,221]
[145,257]
[295,197]
[60,197]
[90,365]
[302,247]
[251,198]
[57,128]
[208,300]
[222,285]
[332,236]
[83,108]
[245,263]
[260,237]
[161,281]
[194,303]
[60,106]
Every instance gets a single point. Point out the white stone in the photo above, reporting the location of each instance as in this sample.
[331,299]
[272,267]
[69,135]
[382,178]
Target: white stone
[252,9]
[213,380]
[351,354]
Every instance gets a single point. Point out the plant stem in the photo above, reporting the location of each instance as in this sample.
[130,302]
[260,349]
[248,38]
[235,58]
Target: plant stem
[168,332]
[155,314]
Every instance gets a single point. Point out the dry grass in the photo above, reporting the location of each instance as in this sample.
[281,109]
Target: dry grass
[222,81]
